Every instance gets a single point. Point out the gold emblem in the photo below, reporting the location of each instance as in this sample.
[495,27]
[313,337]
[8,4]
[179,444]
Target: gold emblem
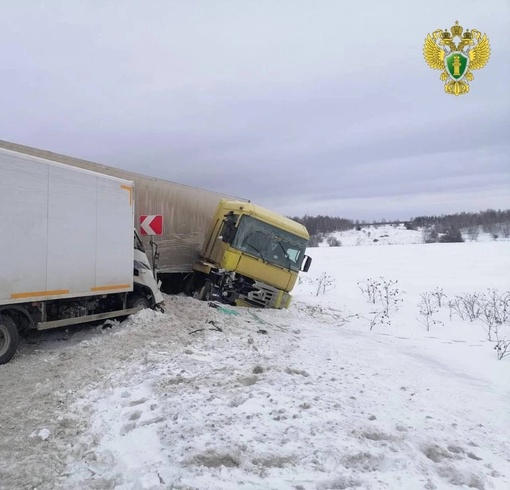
[456,54]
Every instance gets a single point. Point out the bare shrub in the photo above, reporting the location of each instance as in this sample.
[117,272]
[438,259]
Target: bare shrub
[391,296]
[370,289]
[471,305]
[455,306]
[382,291]
[494,312]
[502,349]
[376,317]
[333,241]
[428,307]
[386,294]
[465,307]
[324,283]
[439,295]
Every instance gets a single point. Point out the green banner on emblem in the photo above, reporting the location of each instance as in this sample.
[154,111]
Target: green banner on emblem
[456,64]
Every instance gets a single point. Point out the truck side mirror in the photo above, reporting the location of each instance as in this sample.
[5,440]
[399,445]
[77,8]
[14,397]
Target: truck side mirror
[306,264]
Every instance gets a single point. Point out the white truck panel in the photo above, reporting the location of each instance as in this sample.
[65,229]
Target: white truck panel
[65,231]
[114,234]
[71,211]
[23,224]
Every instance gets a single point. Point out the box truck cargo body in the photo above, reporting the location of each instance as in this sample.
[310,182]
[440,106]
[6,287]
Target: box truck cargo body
[67,246]
[65,231]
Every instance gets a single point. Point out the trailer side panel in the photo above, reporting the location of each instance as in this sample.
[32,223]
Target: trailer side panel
[65,232]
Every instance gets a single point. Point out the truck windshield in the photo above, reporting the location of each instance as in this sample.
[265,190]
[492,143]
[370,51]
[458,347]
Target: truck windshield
[270,243]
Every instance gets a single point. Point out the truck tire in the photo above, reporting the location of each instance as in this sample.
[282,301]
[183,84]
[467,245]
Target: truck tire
[9,339]
[206,291]
[138,300]
[188,286]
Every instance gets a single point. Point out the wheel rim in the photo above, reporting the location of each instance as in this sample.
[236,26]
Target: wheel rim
[4,339]
[141,303]
[206,291]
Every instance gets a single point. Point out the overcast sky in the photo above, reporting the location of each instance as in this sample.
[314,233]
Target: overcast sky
[305,107]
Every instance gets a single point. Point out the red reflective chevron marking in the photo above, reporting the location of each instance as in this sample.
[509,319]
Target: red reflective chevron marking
[151,224]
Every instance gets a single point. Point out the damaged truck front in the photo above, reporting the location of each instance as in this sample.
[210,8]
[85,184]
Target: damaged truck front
[251,257]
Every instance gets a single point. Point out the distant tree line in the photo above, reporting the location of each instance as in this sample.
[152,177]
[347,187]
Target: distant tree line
[324,224]
[447,228]
[444,228]
[463,220]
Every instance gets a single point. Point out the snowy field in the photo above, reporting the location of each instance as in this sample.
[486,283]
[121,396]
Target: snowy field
[306,398]
[376,235]
[393,235]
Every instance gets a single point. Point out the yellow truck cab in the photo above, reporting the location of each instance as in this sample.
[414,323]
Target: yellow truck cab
[251,257]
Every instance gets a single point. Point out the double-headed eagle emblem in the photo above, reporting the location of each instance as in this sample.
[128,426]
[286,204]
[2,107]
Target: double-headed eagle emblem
[456,54]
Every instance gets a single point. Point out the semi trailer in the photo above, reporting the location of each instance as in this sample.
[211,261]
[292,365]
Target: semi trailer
[69,251]
[213,246]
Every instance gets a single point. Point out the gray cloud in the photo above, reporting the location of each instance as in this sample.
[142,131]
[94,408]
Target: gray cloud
[300,106]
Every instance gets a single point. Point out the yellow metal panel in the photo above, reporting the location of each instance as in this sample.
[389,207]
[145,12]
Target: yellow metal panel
[230,261]
[204,267]
[112,288]
[240,207]
[258,270]
[292,281]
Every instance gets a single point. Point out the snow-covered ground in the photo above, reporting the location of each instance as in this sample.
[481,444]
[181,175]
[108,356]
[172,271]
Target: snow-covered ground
[376,235]
[306,398]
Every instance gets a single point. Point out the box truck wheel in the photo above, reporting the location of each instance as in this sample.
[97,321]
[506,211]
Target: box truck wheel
[137,300]
[9,339]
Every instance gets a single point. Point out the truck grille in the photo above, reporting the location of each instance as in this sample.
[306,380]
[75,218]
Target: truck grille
[263,296]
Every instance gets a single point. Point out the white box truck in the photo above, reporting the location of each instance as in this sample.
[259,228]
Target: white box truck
[69,253]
